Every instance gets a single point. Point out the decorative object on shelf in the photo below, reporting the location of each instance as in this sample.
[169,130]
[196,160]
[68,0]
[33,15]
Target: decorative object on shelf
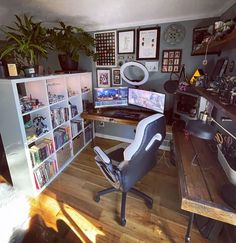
[12,70]
[70,41]
[39,125]
[116,77]
[106,48]
[174,34]
[126,40]
[27,42]
[198,73]
[148,43]
[134,73]
[221,29]
[28,104]
[103,78]
[231,66]
[171,61]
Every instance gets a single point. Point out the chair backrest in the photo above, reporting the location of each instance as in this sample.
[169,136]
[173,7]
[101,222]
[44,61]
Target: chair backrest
[140,155]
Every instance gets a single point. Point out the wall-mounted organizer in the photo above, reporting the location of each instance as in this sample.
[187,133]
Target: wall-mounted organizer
[41,127]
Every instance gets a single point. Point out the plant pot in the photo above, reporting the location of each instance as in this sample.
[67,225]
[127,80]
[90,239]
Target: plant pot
[67,63]
[29,71]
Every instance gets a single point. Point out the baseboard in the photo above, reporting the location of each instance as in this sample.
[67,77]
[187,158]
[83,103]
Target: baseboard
[125,140]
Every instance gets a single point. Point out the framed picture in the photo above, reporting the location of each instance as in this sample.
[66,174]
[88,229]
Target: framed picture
[148,43]
[103,78]
[126,39]
[105,45]
[116,78]
[200,35]
[171,61]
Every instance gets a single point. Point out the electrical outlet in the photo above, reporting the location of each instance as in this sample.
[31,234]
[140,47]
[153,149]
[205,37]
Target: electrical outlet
[151,66]
[101,124]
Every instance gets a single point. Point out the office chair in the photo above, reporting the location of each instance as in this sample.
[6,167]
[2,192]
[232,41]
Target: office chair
[123,165]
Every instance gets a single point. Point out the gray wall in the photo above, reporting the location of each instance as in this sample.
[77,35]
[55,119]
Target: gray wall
[157,79]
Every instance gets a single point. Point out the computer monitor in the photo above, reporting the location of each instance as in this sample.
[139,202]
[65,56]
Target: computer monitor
[109,97]
[147,99]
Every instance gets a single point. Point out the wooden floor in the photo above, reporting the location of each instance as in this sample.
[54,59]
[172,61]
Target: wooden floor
[66,211]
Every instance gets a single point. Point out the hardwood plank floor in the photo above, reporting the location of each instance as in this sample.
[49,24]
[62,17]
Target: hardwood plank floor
[66,211]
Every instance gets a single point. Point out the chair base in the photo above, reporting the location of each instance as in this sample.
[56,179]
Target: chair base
[148,200]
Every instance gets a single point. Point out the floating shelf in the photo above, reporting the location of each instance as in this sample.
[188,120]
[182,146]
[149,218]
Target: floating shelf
[216,46]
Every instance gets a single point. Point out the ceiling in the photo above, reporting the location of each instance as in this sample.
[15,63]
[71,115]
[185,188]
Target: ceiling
[109,14]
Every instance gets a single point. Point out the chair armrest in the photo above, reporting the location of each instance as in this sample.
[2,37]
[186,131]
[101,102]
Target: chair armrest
[102,155]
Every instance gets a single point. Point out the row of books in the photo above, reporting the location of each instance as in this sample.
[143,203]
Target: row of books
[61,136]
[76,126]
[59,116]
[44,173]
[39,152]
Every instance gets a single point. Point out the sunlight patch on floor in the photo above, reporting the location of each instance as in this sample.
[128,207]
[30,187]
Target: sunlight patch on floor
[81,226]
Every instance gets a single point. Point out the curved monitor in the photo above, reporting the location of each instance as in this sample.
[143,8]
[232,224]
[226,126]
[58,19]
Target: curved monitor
[108,97]
[147,99]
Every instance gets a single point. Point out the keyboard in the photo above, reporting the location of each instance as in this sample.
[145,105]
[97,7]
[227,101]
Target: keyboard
[125,114]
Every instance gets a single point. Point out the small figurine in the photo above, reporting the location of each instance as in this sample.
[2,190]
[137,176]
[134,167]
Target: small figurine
[39,125]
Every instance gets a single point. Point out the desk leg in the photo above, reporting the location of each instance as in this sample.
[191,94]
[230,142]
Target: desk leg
[190,224]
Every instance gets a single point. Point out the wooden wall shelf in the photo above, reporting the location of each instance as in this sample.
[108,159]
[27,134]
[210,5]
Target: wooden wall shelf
[216,46]
[230,110]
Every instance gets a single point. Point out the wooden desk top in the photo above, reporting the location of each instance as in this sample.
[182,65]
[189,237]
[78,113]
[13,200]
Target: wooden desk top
[200,186]
[108,115]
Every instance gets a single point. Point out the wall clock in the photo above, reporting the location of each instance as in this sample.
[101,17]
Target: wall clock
[174,34]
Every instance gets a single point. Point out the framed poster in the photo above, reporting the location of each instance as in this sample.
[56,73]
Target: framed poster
[148,43]
[116,77]
[199,37]
[171,61]
[105,45]
[125,40]
[103,78]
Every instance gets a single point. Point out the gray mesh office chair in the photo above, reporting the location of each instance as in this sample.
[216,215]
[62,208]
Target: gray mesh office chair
[123,165]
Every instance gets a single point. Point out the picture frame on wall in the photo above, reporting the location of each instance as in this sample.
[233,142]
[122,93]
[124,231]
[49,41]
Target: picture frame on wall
[171,61]
[148,43]
[116,77]
[199,36]
[103,78]
[105,48]
[125,41]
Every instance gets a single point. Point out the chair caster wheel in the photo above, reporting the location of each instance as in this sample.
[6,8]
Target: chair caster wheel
[97,198]
[149,204]
[123,222]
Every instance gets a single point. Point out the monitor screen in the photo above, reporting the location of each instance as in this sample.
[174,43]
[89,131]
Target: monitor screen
[147,99]
[107,97]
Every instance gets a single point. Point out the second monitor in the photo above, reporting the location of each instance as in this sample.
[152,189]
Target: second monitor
[124,96]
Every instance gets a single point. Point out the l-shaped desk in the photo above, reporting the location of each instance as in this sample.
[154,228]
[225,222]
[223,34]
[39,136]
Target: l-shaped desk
[200,186]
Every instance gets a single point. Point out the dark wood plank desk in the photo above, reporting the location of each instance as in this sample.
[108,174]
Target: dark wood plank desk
[131,117]
[200,185]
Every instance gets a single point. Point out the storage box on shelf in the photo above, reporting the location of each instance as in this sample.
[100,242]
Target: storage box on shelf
[41,127]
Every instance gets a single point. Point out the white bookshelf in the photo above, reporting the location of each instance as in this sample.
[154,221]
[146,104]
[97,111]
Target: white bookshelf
[32,162]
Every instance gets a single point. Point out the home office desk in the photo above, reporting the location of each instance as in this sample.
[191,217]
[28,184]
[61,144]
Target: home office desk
[200,185]
[116,115]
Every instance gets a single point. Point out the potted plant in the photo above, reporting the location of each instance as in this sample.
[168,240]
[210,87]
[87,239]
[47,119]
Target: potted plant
[70,41]
[26,43]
